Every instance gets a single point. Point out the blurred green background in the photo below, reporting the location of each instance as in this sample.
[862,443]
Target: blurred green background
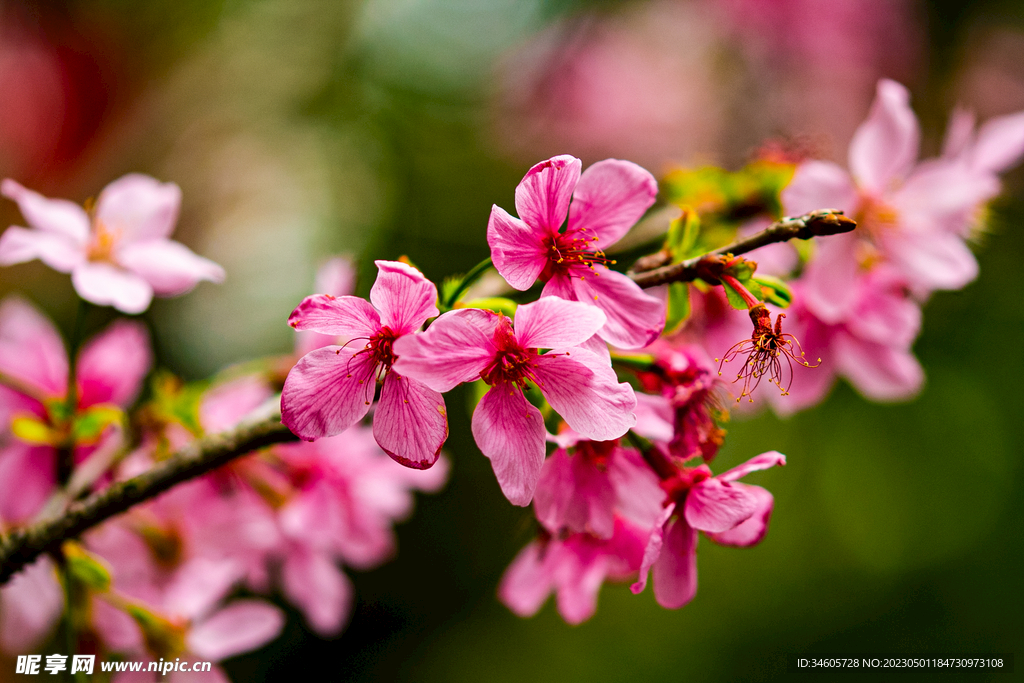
[299,129]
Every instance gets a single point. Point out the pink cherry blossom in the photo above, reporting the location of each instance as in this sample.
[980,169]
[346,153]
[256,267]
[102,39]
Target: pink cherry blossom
[728,512]
[574,568]
[331,388]
[110,370]
[119,254]
[910,215]
[468,344]
[30,607]
[606,201]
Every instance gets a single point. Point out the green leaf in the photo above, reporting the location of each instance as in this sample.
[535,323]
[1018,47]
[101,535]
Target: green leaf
[682,234]
[86,568]
[734,298]
[90,425]
[775,291]
[678,306]
[495,303]
[753,288]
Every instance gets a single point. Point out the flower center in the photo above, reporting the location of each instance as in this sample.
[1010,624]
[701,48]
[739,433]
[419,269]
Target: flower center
[101,247]
[512,363]
[569,251]
[380,346]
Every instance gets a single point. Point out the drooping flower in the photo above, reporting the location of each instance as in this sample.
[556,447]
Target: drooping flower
[729,513]
[119,253]
[331,388]
[109,371]
[607,200]
[469,344]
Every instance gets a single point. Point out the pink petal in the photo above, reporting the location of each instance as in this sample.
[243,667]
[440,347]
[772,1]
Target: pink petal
[1000,144]
[403,296]
[199,584]
[675,571]
[411,423]
[819,185]
[831,278]
[336,277]
[517,252]
[885,146]
[510,432]
[610,198]
[30,606]
[60,252]
[551,322]
[106,285]
[50,215]
[638,492]
[715,505]
[654,417]
[347,316]
[454,349]
[943,195]
[959,133]
[884,315]
[579,583]
[138,207]
[328,391]
[116,629]
[573,494]
[635,318]
[750,532]
[225,405]
[933,260]
[242,626]
[527,582]
[652,551]
[758,462]
[586,393]
[316,585]
[112,365]
[31,349]
[542,198]
[880,372]
[169,267]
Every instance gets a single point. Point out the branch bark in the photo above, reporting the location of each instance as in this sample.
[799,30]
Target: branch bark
[22,546]
[814,224]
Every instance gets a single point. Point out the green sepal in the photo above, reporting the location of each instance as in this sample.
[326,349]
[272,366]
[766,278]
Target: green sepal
[682,234]
[31,429]
[86,568]
[774,290]
[735,300]
[678,306]
[89,425]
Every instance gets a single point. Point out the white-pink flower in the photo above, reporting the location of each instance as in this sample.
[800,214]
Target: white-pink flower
[332,388]
[119,253]
[606,201]
[469,344]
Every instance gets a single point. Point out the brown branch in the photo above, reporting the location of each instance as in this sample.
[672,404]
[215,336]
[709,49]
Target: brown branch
[22,546]
[814,224]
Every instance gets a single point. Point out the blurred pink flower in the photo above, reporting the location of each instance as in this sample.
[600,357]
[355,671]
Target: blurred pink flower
[331,388]
[728,512]
[118,254]
[607,200]
[574,568]
[30,606]
[469,344]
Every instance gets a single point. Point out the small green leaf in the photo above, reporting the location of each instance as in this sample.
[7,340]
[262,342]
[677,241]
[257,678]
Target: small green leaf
[682,234]
[31,429]
[776,292]
[90,425]
[734,298]
[86,568]
[753,288]
[495,303]
[678,306]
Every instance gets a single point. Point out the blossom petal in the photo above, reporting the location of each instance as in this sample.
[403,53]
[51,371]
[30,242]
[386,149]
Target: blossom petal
[932,260]
[403,296]
[517,251]
[880,372]
[542,198]
[106,285]
[169,267]
[50,215]
[454,349]
[138,207]
[635,318]
[31,349]
[885,146]
[750,532]
[573,494]
[30,606]
[819,185]
[675,571]
[327,391]
[638,492]
[411,423]
[943,195]
[241,626]
[715,505]
[1000,144]
[347,316]
[758,462]
[225,405]
[526,583]
[581,575]
[654,417]
[60,252]
[959,133]
[510,432]
[336,277]
[585,391]
[27,478]
[610,198]
[831,279]
[112,365]
[652,551]
[316,585]
[551,322]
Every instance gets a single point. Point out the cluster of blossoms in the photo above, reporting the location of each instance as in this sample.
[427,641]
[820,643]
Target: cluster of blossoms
[598,399]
